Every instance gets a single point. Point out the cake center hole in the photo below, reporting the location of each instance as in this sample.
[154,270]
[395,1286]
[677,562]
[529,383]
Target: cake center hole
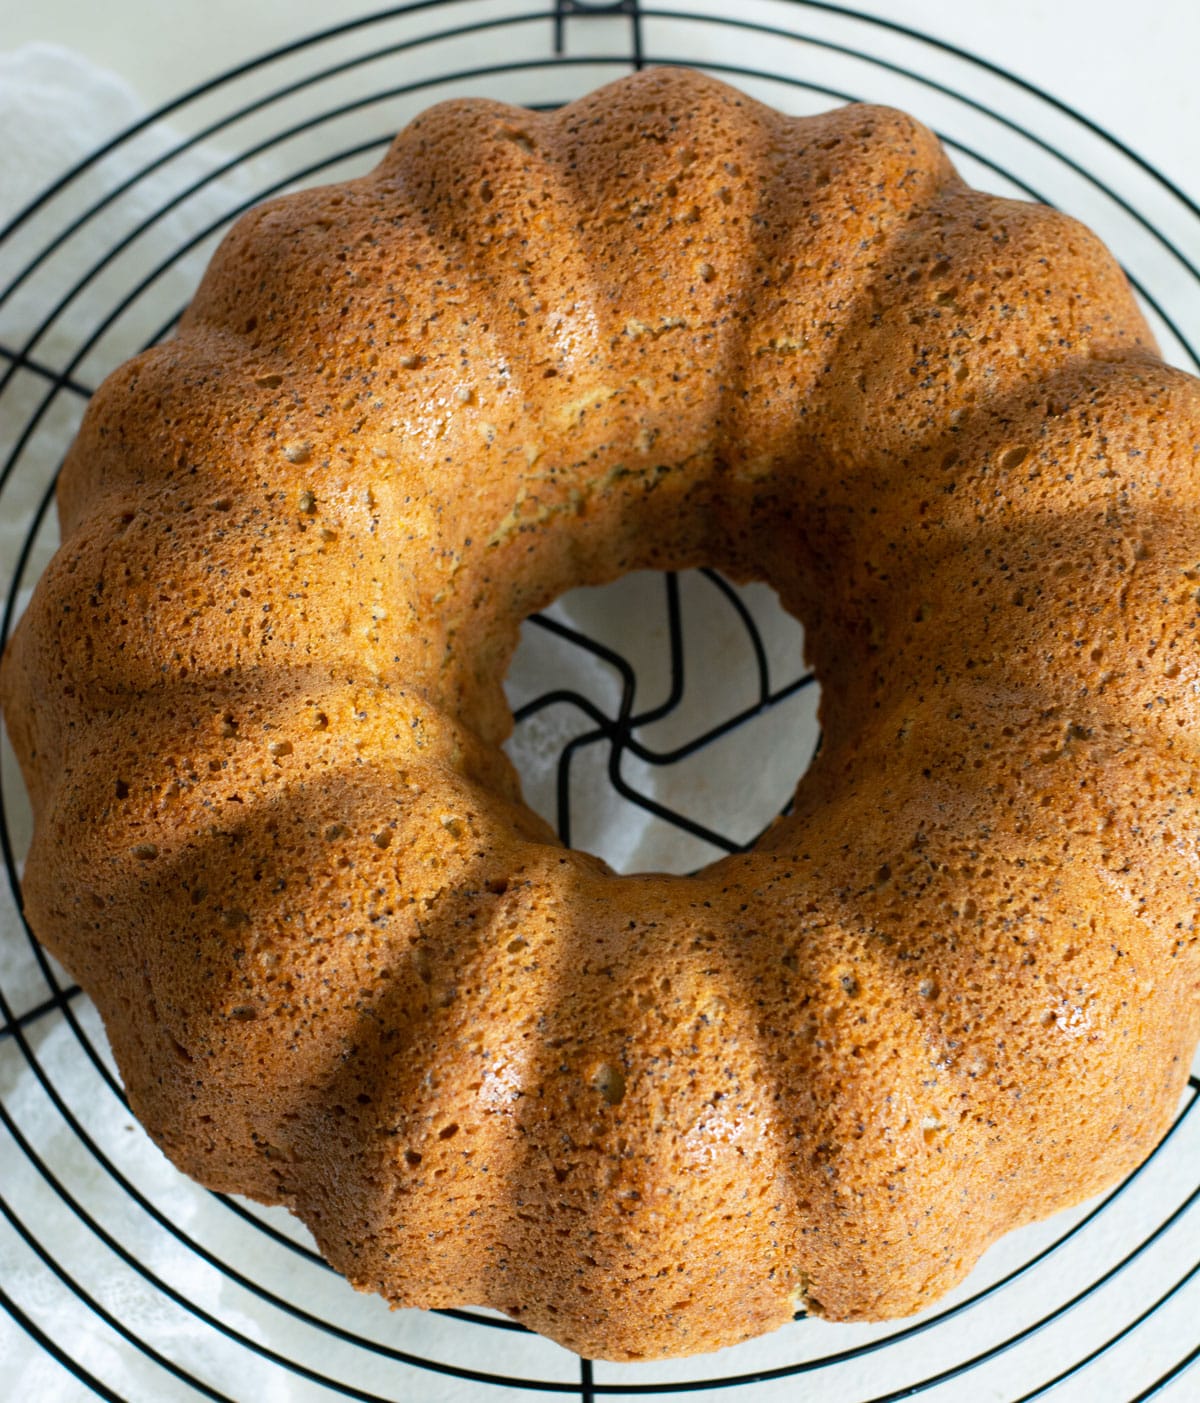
[662,721]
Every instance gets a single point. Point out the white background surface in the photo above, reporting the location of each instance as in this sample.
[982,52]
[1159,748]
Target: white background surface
[1132,68]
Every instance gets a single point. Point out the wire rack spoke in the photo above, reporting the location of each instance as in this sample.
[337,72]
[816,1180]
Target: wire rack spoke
[53,1004]
[565,10]
[17,360]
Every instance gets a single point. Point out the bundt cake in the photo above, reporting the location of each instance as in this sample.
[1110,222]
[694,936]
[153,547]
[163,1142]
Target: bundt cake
[257,699]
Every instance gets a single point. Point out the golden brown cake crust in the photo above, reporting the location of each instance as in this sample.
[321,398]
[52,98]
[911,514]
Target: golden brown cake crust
[257,699]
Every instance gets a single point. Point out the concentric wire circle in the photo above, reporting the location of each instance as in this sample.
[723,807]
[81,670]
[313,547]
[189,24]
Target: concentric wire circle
[140,1285]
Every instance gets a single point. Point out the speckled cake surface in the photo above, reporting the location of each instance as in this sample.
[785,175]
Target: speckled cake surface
[257,699]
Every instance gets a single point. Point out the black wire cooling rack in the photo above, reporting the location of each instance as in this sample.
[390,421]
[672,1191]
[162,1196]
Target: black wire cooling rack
[139,1285]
